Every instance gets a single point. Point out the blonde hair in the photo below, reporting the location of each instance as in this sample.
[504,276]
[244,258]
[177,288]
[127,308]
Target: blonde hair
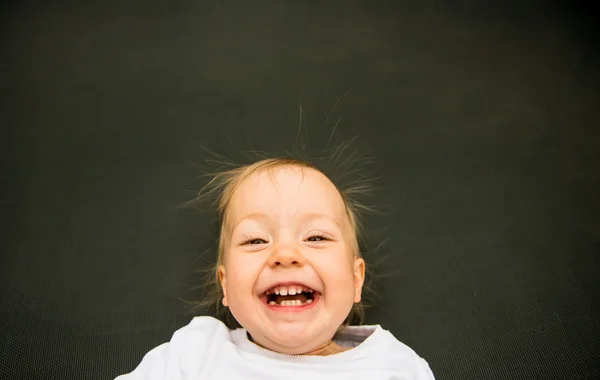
[222,187]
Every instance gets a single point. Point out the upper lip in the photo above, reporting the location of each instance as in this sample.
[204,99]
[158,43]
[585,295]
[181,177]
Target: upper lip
[288,283]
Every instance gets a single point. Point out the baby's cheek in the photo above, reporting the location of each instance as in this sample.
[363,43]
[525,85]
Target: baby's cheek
[336,271]
[242,272]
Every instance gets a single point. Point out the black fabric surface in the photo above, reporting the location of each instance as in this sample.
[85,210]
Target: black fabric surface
[482,118]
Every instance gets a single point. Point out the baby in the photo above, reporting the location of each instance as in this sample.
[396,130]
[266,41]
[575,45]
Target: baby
[290,272]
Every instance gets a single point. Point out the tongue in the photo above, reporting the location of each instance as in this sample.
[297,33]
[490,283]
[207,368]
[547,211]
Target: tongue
[302,297]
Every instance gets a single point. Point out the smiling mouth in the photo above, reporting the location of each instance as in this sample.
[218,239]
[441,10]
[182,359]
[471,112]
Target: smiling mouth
[294,296]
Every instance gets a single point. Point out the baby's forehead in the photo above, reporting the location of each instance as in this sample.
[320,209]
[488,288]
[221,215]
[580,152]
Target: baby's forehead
[291,190]
[290,182]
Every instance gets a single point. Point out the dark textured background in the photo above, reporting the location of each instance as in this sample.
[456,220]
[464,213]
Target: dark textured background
[483,117]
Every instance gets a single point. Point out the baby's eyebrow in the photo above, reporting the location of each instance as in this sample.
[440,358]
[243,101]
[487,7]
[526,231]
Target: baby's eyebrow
[318,215]
[265,217]
[253,215]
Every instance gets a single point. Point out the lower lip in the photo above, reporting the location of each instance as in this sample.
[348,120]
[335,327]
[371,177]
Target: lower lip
[292,309]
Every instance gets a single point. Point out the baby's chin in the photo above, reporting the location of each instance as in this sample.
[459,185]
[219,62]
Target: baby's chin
[292,338]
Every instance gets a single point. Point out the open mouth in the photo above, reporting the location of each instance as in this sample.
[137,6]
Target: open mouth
[290,295]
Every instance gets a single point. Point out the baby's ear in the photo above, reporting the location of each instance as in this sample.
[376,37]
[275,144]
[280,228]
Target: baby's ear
[359,278]
[223,281]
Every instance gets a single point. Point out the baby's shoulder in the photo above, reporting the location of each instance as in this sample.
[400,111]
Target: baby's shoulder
[208,328]
[397,355]
[204,323]
[187,352]
[198,337]
[381,349]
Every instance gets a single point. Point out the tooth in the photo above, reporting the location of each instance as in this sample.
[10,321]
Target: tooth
[283,291]
[309,301]
[276,290]
[298,302]
[272,303]
[298,289]
[292,291]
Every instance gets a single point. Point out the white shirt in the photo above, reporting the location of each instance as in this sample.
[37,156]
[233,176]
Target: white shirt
[207,349]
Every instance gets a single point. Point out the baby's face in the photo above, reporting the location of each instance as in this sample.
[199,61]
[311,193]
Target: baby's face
[289,274]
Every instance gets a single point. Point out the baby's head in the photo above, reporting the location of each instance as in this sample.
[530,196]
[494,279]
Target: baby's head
[289,268]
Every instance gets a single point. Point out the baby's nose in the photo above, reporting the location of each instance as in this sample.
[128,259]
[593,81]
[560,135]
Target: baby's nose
[286,255]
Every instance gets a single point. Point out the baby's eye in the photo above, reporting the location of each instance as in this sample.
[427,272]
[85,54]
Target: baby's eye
[316,238]
[256,241]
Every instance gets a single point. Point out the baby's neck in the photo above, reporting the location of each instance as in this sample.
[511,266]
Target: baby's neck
[330,348]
